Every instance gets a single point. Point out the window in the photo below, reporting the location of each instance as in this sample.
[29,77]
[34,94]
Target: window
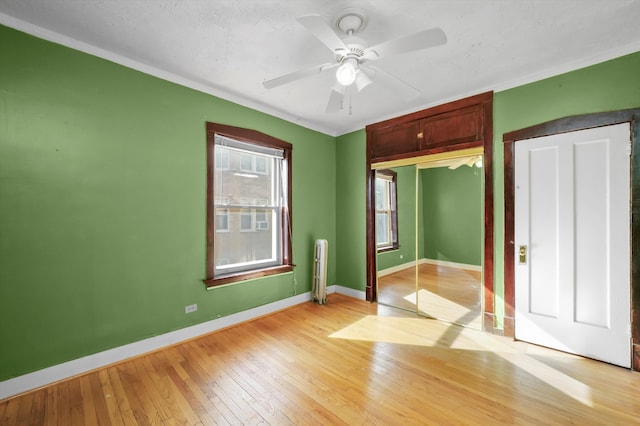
[248,205]
[386,210]
[222,220]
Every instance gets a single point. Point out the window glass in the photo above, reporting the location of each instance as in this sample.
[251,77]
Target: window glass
[382,229]
[242,246]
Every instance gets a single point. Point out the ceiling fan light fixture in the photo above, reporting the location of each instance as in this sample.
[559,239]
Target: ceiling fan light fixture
[362,80]
[346,73]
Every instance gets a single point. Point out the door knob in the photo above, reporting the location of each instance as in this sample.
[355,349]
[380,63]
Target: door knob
[523,254]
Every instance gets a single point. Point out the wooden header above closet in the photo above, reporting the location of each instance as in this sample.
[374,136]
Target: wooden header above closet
[461,123]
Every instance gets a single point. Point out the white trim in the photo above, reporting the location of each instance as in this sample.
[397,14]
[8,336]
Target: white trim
[347,291]
[466,266]
[36,379]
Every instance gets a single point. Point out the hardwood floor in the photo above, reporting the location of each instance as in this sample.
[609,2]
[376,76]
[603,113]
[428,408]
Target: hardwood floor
[348,362]
[449,294]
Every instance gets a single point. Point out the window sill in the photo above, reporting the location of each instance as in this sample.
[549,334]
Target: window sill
[243,276]
[386,249]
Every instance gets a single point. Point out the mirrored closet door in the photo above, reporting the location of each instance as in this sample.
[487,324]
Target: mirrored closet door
[429,237]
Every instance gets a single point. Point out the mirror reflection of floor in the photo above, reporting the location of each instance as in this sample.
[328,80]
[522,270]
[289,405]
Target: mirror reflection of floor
[446,293]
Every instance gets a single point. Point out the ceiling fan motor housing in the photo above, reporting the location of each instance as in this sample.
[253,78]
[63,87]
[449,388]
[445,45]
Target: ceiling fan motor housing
[351,21]
[355,51]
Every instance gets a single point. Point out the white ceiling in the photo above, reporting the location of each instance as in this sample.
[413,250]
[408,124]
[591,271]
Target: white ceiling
[229,47]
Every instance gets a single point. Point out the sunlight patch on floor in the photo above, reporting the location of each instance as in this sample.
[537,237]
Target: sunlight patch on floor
[439,307]
[432,333]
[562,382]
[404,331]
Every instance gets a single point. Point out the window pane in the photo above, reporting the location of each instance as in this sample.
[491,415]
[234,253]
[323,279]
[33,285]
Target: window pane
[240,187]
[382,229]
[382,194]
[243,245]
[251,199]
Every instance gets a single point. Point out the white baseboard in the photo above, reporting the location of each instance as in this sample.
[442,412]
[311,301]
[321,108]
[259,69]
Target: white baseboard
[397,268]
[466,266]
[347,291]
[36,379]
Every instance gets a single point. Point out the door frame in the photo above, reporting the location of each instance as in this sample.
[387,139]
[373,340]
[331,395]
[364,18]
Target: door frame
[485,140]
[564,125]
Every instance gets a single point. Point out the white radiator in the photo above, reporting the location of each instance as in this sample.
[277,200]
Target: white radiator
[319,290]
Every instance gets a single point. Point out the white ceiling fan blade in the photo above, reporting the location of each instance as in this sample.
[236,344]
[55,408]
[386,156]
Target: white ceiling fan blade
[335,99]
[407,91]
[464,161]
[323,32]
[297,75]
[420,40]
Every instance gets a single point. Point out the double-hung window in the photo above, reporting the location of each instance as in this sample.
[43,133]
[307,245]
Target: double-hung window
[386,210]
[248,205]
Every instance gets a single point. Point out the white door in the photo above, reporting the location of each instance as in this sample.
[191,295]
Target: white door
[572,278]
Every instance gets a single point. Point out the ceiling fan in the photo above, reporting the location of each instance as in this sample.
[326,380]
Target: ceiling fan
[351,54]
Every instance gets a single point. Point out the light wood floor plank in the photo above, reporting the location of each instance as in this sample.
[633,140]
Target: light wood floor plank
[50,416]
[348,362]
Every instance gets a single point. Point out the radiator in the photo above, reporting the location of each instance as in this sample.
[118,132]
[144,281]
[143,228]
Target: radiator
[319,291]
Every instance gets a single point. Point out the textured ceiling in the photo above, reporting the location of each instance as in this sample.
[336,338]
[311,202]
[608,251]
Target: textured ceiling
[229,47]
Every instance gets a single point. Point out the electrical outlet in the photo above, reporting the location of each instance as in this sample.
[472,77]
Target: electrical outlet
[402,256]
[190,308]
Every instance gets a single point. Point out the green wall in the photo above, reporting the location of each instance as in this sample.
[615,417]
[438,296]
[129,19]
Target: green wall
[102,195]
[351,207]
[406,192]
[452,214]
